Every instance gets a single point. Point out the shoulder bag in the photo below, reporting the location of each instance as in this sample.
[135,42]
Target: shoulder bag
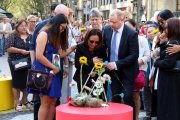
[39,80]
[21,63]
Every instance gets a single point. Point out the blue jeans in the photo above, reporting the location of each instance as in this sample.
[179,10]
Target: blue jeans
[2,42]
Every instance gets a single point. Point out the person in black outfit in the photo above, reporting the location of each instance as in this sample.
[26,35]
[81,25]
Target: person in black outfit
[94,51]
[17,45]
[168,80]
[162,17]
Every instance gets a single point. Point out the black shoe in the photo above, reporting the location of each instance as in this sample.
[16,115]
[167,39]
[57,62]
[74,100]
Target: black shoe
[147,118]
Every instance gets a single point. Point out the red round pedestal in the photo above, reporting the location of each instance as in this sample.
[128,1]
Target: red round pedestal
[115,111]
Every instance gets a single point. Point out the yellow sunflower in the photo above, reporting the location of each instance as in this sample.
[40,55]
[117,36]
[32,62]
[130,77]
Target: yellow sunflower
[83,60]
[98,65]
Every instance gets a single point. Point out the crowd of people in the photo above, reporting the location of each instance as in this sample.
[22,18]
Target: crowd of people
[135,52]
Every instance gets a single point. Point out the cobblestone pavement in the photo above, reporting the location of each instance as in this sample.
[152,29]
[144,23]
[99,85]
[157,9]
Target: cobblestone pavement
[27,114]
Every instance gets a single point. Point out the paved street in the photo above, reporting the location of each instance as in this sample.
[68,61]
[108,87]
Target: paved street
[27,114]
[12,114]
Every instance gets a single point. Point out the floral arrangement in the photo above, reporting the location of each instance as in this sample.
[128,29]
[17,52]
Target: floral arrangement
[88,100]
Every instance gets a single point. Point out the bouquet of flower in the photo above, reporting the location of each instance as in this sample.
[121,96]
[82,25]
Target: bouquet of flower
[88,100]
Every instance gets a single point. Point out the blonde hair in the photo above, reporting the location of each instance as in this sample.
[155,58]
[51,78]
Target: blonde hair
[127,15]
[117,13]
[30,17]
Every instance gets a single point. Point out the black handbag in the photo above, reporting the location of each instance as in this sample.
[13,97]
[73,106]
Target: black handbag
[21,63]
[39,80]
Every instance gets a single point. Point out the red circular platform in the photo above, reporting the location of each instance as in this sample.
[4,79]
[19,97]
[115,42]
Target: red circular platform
[115,111]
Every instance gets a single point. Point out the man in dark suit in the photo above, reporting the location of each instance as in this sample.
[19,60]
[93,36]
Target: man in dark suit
[123,51]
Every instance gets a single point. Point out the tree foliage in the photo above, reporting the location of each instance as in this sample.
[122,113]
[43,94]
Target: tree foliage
[5,4]
[22,8]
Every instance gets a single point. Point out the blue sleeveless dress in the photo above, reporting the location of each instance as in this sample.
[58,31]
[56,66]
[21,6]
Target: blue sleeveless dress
[55,87]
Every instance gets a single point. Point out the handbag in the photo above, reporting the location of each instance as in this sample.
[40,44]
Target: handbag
[39,80]
[140,80]
[21,63]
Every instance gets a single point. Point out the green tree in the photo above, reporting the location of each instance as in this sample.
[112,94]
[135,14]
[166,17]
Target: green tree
[22,8]
[5,4]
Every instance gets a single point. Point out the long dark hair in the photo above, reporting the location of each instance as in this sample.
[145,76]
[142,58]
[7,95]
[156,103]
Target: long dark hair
[173,27]
[165,15]
[58,39]
[93,32]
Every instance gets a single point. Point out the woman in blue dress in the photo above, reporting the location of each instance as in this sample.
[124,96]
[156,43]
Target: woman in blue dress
[52,40]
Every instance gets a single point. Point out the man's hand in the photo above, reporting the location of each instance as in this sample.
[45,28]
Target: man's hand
[96,59]
[111,66]
[173,49]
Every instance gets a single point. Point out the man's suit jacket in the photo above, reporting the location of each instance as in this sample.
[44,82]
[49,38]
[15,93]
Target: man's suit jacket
[127,63]
[8,29]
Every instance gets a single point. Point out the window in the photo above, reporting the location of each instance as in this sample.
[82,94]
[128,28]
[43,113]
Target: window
[110,1]
[100,2]
[178,5]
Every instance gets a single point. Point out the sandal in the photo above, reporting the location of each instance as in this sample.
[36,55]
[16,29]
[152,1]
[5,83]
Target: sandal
[32,102]
[27,105]
[19,108]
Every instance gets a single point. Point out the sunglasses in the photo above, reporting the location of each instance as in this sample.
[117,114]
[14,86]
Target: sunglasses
[92,41]
[32,21]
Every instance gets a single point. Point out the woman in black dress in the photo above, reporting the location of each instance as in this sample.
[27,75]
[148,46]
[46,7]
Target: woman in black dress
[17,46]
[94,51]
[168,81]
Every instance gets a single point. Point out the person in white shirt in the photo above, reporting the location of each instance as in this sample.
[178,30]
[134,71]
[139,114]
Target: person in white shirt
[5,29]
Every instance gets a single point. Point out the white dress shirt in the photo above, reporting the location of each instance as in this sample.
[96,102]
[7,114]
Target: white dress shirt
[118,38]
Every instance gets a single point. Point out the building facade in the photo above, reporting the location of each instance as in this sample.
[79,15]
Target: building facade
[137,8]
